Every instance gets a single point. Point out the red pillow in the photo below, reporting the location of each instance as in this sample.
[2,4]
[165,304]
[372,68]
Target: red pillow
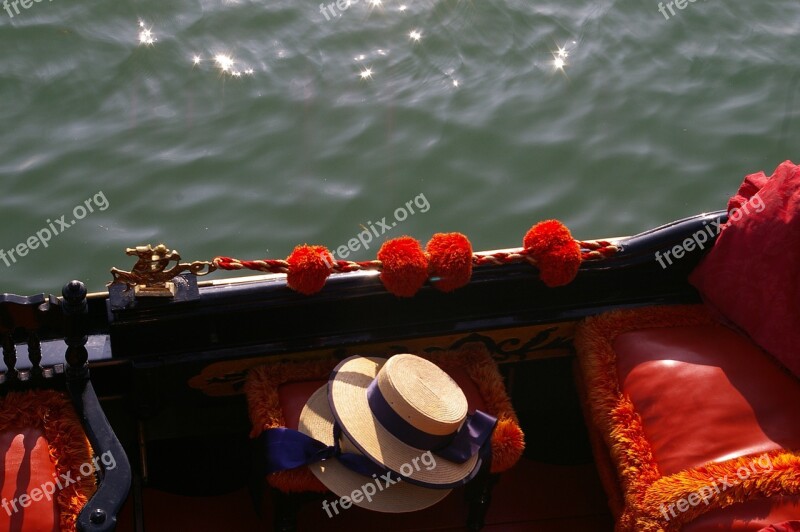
[786,526]
[752,274]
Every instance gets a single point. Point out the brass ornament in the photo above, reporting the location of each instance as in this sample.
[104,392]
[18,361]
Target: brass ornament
[150,276]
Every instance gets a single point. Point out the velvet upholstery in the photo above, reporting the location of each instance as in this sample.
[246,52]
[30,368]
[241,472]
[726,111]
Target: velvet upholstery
[750,276]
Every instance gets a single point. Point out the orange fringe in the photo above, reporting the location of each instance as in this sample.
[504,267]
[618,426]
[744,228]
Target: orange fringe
[605,466]
[52,413]
[644,488]
[261,389]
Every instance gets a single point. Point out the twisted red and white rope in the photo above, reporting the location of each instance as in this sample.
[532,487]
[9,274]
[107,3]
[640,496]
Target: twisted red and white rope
[591,250]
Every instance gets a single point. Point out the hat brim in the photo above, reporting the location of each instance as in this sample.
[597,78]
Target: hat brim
[316,420]
[347,395]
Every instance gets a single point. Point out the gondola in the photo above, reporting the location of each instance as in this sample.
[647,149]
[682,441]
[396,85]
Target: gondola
[157,375]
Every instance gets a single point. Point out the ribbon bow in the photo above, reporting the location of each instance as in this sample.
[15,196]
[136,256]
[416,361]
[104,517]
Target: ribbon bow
[287,448]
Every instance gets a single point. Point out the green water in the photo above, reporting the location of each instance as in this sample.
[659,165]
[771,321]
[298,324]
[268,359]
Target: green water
[650,120]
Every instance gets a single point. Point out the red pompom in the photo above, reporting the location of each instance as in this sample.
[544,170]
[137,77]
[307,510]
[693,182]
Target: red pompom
[405,267]
[508,443]
[556,253]
[309,267]
[450,260]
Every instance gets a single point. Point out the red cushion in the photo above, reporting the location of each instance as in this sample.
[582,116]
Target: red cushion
[786,526]
[293,396]
[750,516]
[706,394]
[26,469]
[750,276]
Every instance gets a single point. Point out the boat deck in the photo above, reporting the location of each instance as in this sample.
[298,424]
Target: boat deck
[533,496]
[200,484]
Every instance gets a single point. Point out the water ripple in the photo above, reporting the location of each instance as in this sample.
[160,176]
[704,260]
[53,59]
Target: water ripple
[649,120]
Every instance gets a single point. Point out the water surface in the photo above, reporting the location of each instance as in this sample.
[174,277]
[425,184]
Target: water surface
[319,127]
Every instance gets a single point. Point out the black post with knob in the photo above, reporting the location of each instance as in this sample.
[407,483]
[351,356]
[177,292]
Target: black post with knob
[100,512]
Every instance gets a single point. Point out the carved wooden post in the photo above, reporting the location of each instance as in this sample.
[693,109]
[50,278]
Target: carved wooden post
[76,313]
[10,356]
[100,512]
[35,356]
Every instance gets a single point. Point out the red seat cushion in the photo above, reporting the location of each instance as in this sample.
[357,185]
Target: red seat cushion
[701,425]
[749,516]
[786,526]
[44,450]
[750,276]
[706,394]
[27,468]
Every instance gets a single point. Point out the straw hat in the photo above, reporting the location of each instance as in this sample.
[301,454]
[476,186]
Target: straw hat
[392,411]
[317,420]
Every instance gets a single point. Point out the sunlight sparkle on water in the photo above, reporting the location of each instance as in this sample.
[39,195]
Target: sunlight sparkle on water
[224,62]
[366,74]
[560,57]
[415,35]
[403,8]
[146,35]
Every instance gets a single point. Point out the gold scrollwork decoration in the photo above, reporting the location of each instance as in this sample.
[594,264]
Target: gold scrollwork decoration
[150,275]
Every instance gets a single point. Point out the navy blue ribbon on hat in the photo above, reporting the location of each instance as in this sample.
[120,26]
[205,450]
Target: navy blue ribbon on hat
[457,446]
[287,448]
